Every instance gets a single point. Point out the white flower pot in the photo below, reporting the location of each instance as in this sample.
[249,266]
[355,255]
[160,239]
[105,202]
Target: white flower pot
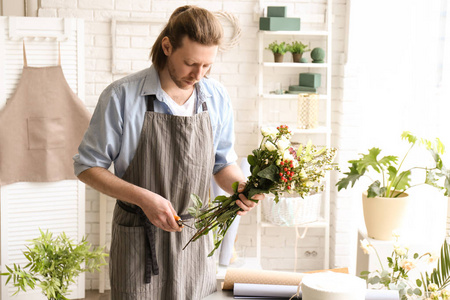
[383,216]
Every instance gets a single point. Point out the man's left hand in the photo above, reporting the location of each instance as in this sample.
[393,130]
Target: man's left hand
[245,204]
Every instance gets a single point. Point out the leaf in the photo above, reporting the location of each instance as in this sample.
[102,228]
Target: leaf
[220,198]
[375,190]
[271,173]
[251,160]
[253,192]
[406,135]
[352,177]
[402,182]
[196,200]
[235,186]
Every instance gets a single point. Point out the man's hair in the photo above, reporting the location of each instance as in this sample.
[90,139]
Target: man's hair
[198,24]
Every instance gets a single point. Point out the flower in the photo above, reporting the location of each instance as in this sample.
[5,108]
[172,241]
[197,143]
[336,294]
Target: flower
[366,246]
[400,251]
[407,264]
[269,132]
[433,287]
[396,276]
[275,167]
[269,146]
[283,144]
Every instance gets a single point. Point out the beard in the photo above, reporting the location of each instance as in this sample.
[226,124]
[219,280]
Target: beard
[179,82]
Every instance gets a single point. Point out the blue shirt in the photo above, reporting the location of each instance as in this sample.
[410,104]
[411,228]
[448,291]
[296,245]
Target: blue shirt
[116,125]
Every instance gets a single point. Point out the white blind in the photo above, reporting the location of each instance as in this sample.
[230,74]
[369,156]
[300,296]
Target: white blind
[55,206]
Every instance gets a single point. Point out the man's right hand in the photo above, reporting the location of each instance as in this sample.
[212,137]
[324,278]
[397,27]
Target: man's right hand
[160,212]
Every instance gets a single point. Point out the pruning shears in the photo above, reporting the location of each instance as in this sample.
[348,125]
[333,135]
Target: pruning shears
[182,223]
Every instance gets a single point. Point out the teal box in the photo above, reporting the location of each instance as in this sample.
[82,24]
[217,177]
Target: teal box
[276,11]
[295,89]
[276,23]
[309,79]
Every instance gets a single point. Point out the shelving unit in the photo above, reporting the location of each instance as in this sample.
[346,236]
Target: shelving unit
[271,102]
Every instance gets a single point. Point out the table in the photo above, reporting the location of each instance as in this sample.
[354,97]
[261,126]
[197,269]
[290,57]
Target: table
[227,295]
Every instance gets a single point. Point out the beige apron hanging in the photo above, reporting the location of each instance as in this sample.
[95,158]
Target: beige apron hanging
[41,127]
[174,158]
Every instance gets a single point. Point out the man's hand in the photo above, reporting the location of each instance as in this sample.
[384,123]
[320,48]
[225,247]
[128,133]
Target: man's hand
[160,213]
[157,209]
[245,204]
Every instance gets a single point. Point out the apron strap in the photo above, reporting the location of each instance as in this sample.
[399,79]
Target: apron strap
[151,98]
[24,55]
[151,264]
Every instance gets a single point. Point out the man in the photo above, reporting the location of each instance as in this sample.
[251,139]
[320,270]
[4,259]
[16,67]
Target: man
[167,129]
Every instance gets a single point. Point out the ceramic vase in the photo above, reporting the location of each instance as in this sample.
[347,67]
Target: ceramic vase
[383,216]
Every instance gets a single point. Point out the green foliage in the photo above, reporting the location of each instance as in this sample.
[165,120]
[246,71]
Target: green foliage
[54,263]
[278,48]
[297,47]
[395,182]
[441,274]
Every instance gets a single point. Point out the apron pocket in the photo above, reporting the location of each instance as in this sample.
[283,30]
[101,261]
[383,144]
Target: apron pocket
[128,257]
[45,133]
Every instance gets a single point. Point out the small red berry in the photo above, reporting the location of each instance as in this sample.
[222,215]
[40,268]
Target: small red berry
[282,163]
[290,178]
[281,174]
[288,187]
[285,169]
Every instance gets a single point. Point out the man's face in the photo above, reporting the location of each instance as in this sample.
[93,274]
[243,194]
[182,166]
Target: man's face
[189,63]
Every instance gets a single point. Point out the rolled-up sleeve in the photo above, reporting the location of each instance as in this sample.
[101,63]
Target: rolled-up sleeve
[102,140]
[225,154]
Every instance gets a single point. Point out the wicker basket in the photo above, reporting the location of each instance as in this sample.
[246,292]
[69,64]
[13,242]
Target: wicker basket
[308,111]
[292,211]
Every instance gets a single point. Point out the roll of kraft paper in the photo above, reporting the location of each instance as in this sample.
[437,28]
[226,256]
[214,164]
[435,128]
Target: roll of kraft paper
[266,277]
[271,291]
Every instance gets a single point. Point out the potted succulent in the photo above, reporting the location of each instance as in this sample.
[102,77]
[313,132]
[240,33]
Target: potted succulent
[278,50]
[54,264]
[385,201]
[297,49]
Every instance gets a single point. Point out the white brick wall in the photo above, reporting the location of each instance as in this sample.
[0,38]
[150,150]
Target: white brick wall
[237,70]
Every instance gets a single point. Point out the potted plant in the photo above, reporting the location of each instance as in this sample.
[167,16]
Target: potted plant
[278,50]
[297,49]
[54,263]
[385,201]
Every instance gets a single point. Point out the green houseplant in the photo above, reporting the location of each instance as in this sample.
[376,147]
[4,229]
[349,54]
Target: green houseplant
[385,201]
[297,49]
[54,263]
[278,50]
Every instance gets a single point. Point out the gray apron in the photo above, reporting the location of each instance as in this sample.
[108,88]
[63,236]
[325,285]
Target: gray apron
[174,158]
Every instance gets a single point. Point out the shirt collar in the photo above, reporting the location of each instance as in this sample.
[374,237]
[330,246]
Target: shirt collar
[152,86]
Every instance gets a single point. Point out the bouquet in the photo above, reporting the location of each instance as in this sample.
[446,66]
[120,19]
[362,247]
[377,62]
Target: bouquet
[430,286]
[276,167]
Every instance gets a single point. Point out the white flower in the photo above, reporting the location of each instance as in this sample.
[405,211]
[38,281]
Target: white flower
[366,246]
[270,146]
[283,144]
[288,156]
[400,251]
[269,132]
[432,287]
